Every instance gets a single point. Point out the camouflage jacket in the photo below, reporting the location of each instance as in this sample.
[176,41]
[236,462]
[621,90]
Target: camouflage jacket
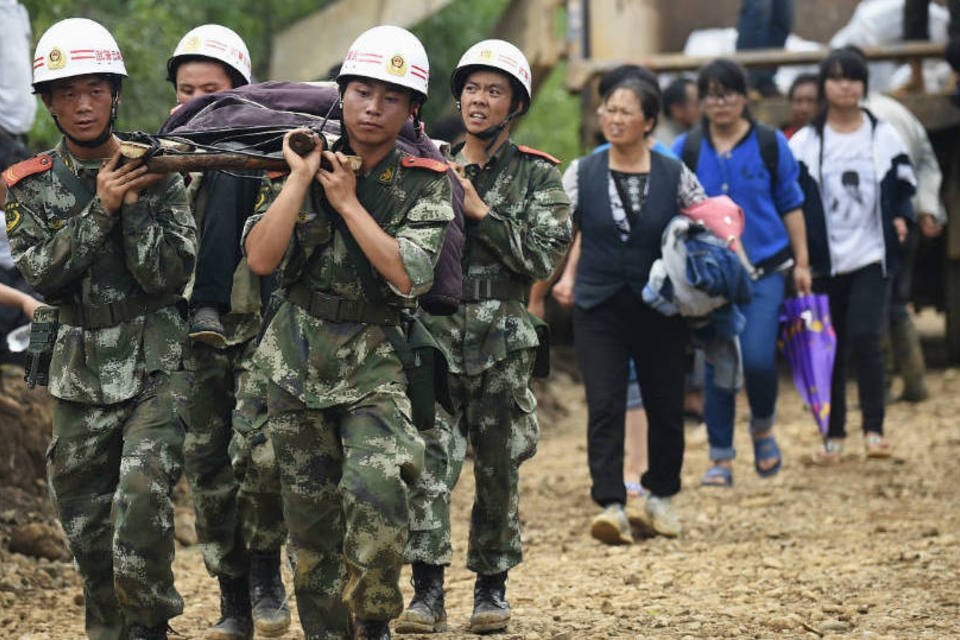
[328,363]
[522,238]
[89,257]
[242,322]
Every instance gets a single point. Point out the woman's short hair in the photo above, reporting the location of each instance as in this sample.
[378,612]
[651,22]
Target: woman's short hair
[615,76]
[647,94]
[723,72]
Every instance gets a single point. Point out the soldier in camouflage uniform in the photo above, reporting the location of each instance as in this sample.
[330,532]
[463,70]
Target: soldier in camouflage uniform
[112,248]
[351,257]
[518,228]
[239,514]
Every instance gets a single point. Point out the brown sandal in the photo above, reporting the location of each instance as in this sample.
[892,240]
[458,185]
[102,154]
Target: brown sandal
[876,445]
[830,452]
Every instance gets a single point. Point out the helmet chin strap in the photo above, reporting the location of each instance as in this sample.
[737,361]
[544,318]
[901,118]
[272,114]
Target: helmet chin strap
[492,133]
[104,135]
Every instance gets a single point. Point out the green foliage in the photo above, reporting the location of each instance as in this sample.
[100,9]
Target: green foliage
[445,36]
[553,120]
[148,30]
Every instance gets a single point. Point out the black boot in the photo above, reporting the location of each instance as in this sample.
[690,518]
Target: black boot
[271,614]
[235,622]
[372,630]
[425,613]
[491,613]
[141,632]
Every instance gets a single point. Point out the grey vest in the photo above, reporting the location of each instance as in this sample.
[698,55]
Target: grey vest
[607,263]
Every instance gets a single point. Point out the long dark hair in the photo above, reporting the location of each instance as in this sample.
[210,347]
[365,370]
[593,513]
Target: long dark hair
[846,63]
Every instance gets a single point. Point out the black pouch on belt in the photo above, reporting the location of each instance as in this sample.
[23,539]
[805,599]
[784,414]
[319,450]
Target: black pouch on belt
[541,363]
[426,370]
[43,336]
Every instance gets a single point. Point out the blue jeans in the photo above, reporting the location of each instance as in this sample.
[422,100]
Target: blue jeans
[758,342]
[764,24]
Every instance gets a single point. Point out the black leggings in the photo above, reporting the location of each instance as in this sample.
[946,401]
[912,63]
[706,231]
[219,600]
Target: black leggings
[858,308]
[606,336]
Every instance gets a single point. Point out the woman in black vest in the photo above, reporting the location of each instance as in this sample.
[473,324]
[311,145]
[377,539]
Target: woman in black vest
[624,197]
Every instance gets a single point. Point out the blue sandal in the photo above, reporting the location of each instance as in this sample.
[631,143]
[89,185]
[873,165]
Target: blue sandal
[634,489]
[717,476]
[766,449]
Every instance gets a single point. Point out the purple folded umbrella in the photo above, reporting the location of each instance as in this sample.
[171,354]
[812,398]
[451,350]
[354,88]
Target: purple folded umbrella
[809,343]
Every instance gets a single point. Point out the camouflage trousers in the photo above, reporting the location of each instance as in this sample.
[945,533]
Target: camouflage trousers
[345,472]
[228,460]
[497,411]
[112,470]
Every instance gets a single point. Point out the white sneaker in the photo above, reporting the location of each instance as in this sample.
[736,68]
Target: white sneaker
[663,516]
[610,526]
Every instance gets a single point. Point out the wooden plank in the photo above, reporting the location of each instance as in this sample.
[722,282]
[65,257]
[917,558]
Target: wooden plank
[306,50]
[579,72]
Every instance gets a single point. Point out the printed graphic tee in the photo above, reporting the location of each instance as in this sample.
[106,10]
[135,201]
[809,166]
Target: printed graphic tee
[850,192]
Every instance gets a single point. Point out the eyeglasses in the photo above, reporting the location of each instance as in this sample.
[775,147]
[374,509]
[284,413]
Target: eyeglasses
[717,97]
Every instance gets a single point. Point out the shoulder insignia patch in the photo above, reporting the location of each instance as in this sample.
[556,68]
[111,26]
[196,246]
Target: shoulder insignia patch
[425,163]
[29,167]
[12,215]
[530,151]
[262,196]
[387,176]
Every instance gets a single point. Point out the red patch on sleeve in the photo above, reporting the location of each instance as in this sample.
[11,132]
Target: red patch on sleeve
[425,163]
[530,151]
[273,175]
[21,170]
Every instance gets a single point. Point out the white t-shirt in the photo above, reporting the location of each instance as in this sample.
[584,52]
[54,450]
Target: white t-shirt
[850,190]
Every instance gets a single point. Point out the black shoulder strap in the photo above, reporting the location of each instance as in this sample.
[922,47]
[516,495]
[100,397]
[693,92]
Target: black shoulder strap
[73,183]
[769,151]
[690,154]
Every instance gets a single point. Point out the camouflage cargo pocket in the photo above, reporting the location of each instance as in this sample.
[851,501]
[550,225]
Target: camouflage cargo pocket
[526,430]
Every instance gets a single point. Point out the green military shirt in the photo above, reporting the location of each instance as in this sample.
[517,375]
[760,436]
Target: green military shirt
[85,256]
[326,363]
[522,238]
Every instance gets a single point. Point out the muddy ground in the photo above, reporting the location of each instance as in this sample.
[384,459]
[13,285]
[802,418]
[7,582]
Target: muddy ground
[865,549]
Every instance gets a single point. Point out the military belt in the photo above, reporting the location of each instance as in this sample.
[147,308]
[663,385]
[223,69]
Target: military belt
[101,316]
[477,289]
[326,306]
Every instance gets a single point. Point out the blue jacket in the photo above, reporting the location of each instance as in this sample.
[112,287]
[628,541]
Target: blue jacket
[897,186]
[744,177]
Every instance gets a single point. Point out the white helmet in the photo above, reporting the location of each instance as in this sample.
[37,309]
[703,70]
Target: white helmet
[76,47]
[499,55]
[216,42]
[390,54]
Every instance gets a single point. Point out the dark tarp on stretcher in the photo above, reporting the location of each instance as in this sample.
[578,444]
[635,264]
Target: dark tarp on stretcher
[254,117]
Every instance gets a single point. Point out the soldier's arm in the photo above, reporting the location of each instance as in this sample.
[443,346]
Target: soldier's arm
[52,259]
[266,241]
[531,244]
[421,236]
[10,297]
[160,237]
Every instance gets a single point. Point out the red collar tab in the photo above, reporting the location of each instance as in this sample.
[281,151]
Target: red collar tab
[29,167]
[530,151]
[425,163]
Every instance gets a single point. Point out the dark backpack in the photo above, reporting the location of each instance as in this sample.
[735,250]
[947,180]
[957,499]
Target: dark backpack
[766,139]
